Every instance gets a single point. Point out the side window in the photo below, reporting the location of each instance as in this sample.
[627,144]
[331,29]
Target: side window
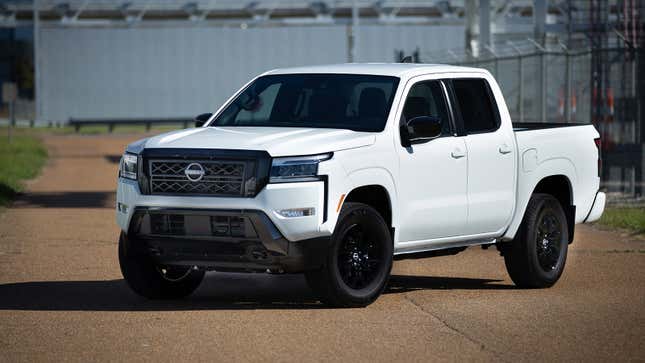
[475,105]
[426,99]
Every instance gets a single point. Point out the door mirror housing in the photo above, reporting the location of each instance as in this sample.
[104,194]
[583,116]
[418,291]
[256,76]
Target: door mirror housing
[420,129]
[200,120]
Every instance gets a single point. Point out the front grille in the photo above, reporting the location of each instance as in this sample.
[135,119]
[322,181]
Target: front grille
[212,177]
[181,225]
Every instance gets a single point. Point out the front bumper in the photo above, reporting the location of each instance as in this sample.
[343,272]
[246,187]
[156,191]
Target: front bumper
[192,230]
[272,198]
[224,240]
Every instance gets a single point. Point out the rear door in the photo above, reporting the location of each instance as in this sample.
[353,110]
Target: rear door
[491,159]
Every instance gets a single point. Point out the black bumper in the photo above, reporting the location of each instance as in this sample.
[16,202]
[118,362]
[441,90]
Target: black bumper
[224,240]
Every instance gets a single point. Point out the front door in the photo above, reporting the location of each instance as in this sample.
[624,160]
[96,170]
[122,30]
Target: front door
[432,181]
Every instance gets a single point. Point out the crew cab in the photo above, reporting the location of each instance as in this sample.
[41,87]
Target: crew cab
[336,171]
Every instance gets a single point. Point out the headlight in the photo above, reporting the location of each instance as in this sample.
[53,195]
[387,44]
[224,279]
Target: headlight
[128,166]
[296,169]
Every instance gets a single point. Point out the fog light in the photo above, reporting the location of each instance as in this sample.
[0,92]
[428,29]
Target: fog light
[123,208]
[297,212]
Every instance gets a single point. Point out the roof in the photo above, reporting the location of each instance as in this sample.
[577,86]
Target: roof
[381,69]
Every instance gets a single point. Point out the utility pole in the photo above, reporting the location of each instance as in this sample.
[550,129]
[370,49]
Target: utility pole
[472,28]
[484,25]
[353,38]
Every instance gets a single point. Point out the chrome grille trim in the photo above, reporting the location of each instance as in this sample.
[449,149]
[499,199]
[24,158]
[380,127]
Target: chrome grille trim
[221,177]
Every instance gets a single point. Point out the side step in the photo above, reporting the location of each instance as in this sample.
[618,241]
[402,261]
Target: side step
[427,254]
[444,250]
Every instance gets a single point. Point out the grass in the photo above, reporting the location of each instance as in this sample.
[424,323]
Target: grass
[19,160]
[24,157]
[629,218]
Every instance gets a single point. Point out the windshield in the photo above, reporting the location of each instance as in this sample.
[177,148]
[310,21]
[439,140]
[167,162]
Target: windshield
[344,101]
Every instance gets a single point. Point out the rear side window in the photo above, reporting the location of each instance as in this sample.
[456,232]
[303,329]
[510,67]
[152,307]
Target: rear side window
[476,105]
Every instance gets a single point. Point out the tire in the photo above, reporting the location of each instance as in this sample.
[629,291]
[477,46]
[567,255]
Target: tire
[151,280]
[358,263]
[537,255]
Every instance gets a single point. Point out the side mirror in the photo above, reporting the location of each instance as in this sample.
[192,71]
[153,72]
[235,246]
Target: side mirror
[200,120]
[420,129]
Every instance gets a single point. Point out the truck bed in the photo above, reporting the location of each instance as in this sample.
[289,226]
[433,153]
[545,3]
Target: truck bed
[566,149]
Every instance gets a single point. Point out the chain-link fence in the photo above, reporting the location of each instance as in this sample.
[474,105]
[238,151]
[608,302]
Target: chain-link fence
[556,84]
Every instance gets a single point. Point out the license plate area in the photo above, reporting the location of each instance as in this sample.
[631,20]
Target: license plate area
[196,226]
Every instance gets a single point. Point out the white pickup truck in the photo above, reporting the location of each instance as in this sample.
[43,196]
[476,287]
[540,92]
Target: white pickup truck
[338,170]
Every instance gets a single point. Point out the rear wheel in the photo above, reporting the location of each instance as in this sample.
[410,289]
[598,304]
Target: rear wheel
[358,263]
[536,258]
[151,280]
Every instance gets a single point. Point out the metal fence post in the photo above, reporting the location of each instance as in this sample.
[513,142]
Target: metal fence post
[495,60]
[542,87]
[542,83]
[12,119]
[567,87]
[521,88]
[38,86]
[567,83]
[9,95]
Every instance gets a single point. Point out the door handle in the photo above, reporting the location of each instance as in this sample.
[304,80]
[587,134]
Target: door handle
[505,149]
[457,153]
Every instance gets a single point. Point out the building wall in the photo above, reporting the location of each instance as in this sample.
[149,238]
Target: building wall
[183,71]
[378,43]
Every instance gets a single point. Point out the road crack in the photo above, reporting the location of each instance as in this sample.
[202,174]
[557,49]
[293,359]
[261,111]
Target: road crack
[452,328]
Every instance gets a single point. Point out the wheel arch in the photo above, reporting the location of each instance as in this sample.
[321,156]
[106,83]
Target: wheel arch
[558,184]
[380,182]
[376,196]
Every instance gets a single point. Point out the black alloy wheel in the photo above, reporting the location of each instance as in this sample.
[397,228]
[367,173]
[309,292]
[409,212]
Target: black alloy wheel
[548,240]
[359,259]
[538,253]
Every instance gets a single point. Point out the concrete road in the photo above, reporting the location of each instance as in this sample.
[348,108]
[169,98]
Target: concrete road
[62,296]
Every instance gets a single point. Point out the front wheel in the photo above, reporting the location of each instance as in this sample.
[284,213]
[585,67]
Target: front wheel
[536,258]
[359,260]
[151,280]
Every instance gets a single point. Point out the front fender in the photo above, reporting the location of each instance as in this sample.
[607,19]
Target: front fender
[339,187]
[354,168]
[376,176]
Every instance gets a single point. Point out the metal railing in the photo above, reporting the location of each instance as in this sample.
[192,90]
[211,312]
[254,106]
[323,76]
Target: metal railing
[112,123]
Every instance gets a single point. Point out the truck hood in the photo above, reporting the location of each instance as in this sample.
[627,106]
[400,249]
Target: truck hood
[277,141]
